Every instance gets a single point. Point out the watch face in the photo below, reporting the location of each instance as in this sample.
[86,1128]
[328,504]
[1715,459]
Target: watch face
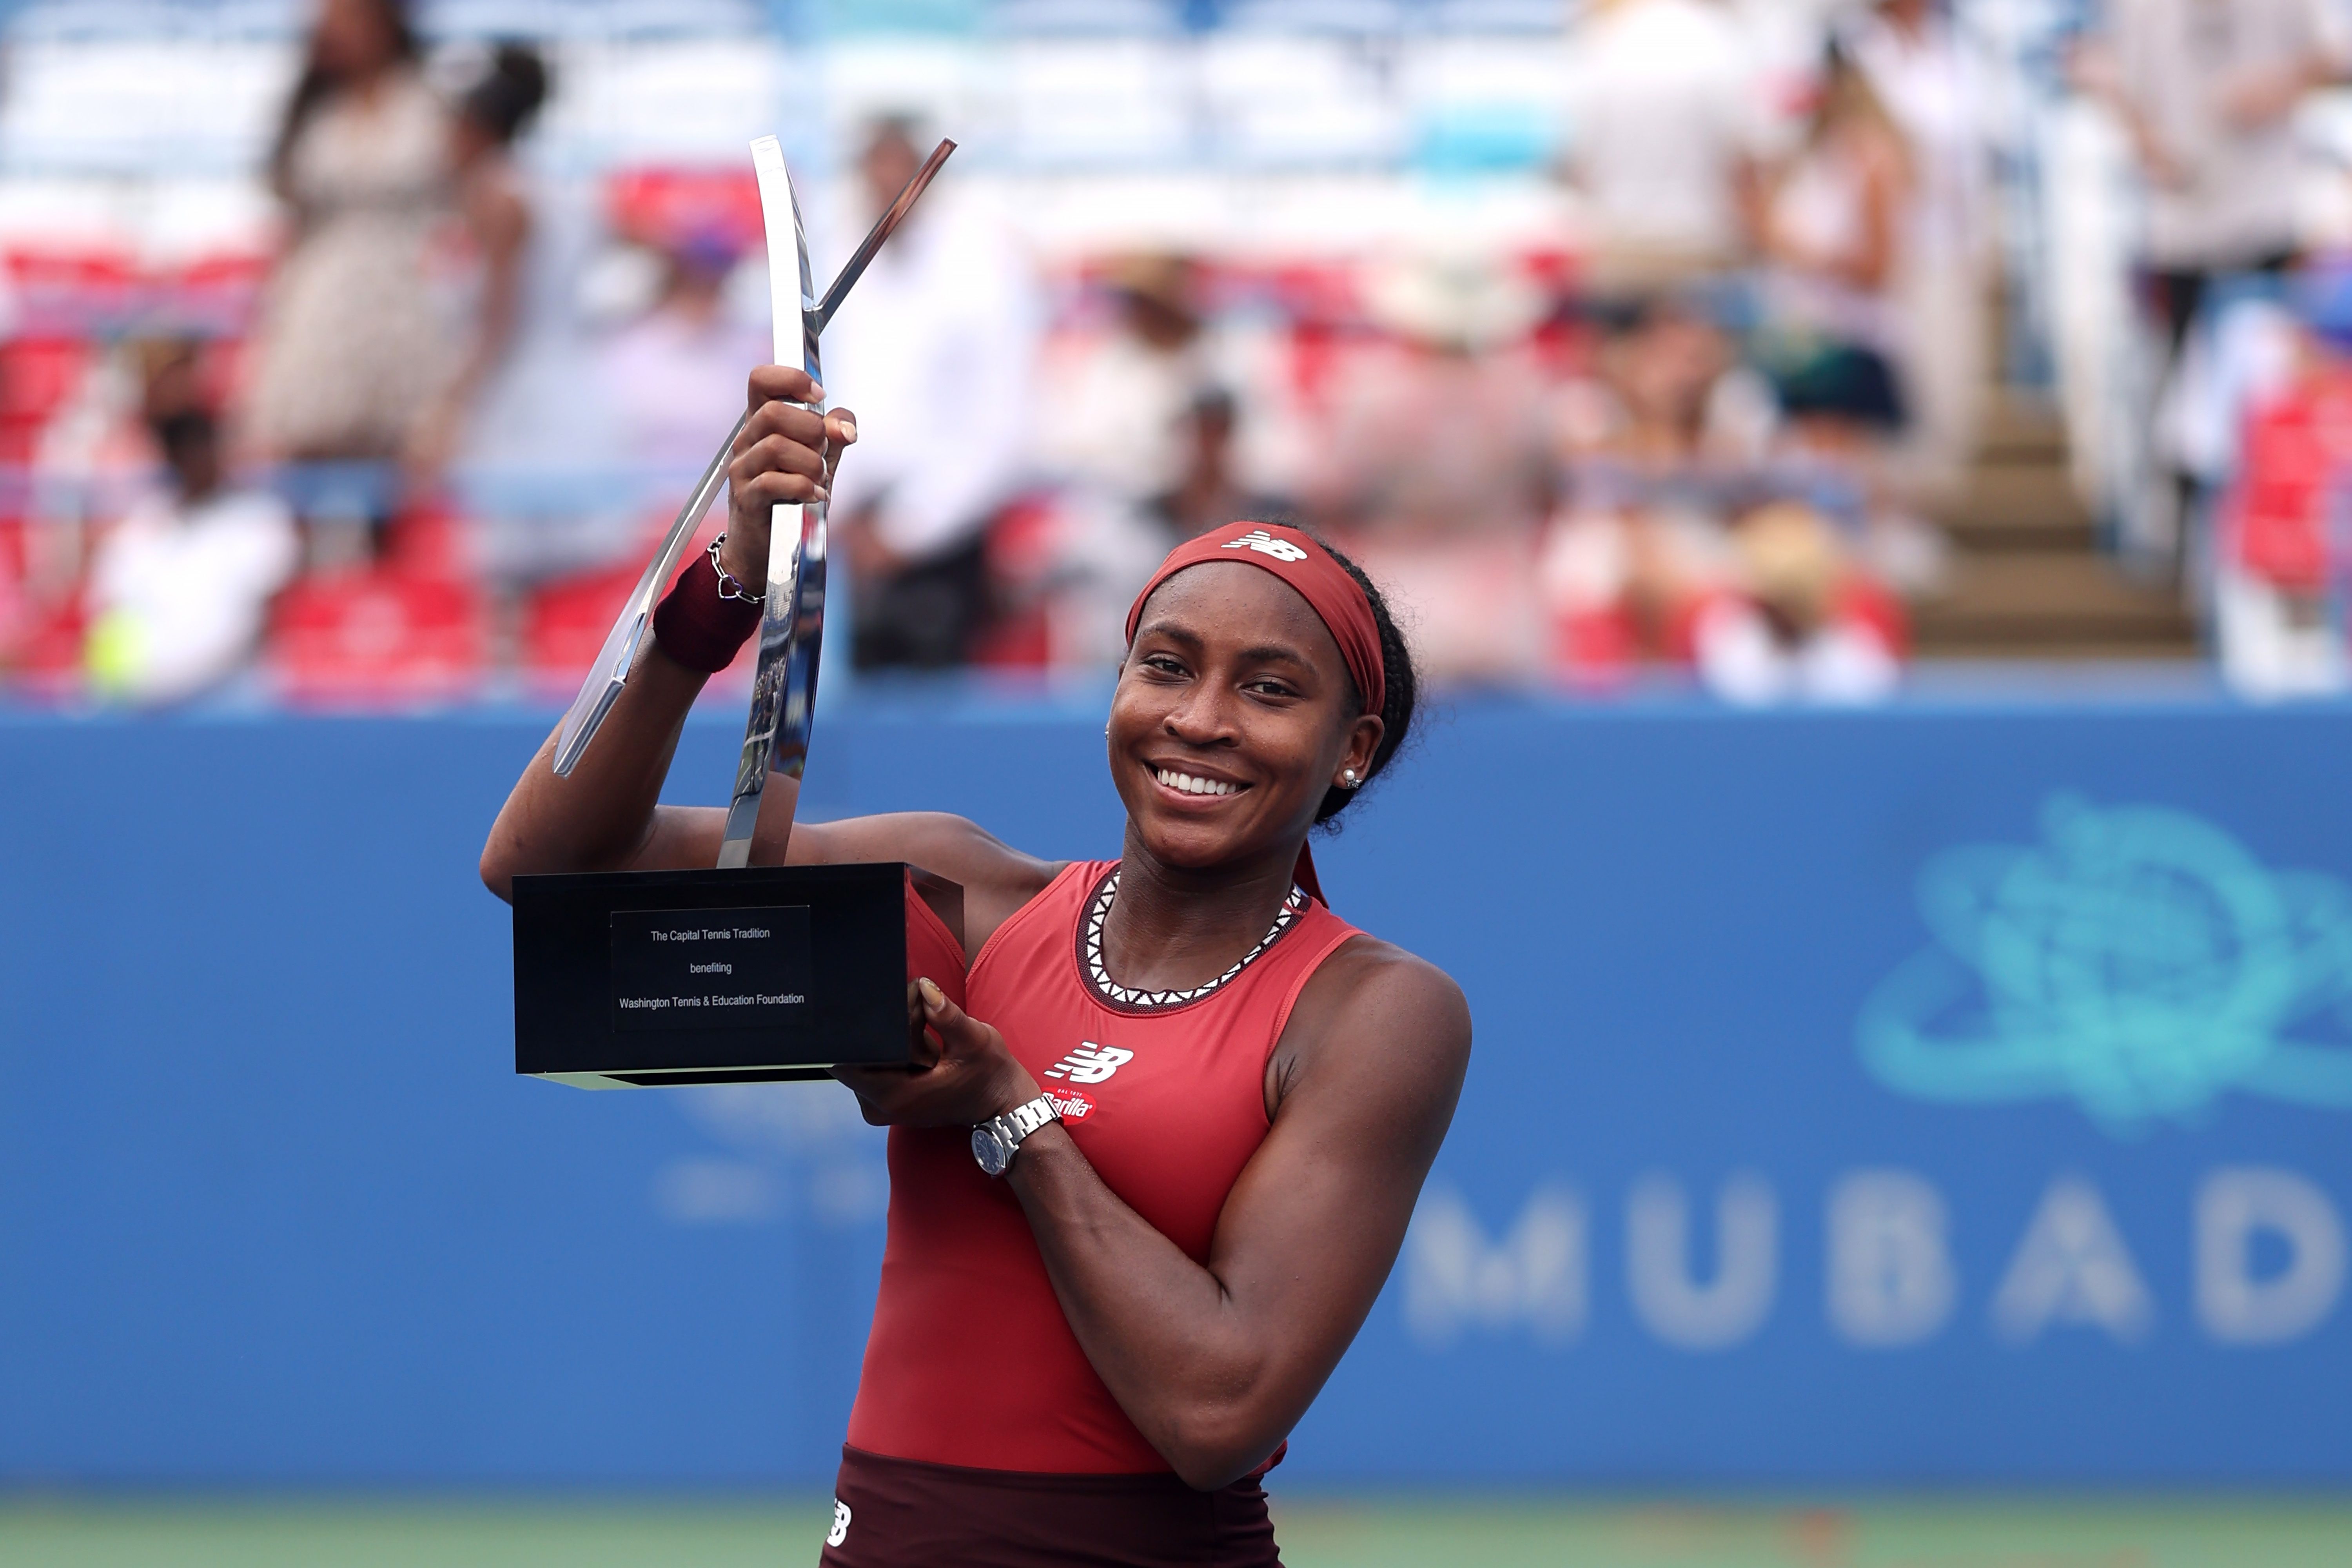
[993,1155]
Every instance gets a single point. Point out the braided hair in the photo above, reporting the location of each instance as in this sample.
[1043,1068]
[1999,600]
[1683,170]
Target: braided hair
[1396,708]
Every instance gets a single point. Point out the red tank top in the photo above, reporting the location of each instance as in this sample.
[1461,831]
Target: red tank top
[969,1360]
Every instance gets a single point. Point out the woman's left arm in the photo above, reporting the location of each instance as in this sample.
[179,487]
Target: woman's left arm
[1214,1363]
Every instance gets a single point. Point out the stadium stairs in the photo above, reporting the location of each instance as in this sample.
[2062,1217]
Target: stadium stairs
[2029,579]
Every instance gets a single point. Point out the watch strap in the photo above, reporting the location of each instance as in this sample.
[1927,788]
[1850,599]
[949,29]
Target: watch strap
[1024,1120]
[1012,1129]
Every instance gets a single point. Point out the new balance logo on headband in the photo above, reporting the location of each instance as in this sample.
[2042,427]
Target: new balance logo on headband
[1265,543]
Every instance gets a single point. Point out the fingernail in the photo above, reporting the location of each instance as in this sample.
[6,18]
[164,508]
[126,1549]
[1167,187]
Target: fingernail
[823,494]
[848,434]
[933,997]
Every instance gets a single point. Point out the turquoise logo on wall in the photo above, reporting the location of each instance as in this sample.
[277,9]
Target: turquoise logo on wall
[2138,960]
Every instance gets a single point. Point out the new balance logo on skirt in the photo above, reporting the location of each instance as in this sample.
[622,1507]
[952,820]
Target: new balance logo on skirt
[1090,1063]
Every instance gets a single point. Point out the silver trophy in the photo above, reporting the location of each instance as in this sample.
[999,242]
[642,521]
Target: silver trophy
[614,970]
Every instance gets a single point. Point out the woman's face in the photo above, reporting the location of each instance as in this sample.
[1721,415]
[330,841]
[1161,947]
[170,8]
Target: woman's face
[1234,683]
[354,38]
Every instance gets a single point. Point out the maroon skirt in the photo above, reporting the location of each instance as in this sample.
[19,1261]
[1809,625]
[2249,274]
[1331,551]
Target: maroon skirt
[903,1513]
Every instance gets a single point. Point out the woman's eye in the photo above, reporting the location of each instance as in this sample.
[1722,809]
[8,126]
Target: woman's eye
[1162,663]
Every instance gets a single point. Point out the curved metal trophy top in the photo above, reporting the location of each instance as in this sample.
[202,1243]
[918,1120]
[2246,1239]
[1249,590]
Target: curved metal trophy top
[791,626]
[783,688]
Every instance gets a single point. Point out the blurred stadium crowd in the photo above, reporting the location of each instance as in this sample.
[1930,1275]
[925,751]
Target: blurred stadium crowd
[352,353]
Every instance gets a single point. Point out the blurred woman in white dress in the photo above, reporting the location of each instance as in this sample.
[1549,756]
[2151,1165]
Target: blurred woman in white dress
[352,349]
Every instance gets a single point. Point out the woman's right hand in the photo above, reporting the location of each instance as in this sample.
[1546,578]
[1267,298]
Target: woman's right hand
[786,455]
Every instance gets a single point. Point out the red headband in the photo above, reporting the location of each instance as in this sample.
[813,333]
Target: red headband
[1306,567]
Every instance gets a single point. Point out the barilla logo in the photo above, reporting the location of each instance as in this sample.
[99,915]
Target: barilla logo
[1069,1104]
[1090,1063]
[1265,543]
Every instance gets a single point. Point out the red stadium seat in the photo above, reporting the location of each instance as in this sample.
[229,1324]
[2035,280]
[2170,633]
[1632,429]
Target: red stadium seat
[43,654]
[564,623]
[377,639]
[1021,545]
[427,541]
[1864,601]
[37,374]
[70,290]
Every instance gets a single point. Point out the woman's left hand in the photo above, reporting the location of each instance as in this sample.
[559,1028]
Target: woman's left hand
[973,1079]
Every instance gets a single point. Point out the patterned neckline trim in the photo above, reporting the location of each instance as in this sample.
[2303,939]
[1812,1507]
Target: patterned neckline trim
[1090,951]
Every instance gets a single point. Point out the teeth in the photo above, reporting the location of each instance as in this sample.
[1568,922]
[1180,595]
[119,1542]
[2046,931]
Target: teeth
[1192,785]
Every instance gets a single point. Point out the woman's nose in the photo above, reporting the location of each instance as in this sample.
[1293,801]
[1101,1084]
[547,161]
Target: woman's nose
[1199,717]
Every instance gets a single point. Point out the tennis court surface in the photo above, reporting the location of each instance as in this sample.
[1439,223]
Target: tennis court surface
[1491,1532]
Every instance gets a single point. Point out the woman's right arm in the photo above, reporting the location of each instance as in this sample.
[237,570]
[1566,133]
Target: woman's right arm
[607,816]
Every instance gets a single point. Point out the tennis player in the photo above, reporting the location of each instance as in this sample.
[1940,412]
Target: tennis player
[1179,1113]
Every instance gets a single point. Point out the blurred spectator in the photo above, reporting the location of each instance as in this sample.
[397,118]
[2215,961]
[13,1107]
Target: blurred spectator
[1789,632]
[1117,421]
[1207,493]
[1102,548]
[493,202]
[2282,381]
[1666,441]
[2207,91]
[934,352]
[351,347]
[180,587]
[1665,124]
[674,377]
[530,452]
[1435,472]
[1118,406]
[1833,229]
[1928,82]
[1830,218]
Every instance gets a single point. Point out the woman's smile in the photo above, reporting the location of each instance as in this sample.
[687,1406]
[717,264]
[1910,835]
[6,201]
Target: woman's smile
[1193,783]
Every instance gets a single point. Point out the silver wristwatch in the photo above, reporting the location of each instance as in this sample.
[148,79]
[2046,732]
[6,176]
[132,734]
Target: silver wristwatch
[996,1141]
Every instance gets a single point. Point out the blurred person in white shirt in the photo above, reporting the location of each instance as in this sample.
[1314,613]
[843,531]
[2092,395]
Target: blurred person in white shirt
[935,350]
[1117,408]
[1665,122]
[2207,90]
[181,585]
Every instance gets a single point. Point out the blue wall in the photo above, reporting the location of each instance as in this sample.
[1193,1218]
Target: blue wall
[1802,1141]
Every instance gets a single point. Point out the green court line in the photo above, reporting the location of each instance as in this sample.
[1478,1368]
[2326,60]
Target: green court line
[1452,1532]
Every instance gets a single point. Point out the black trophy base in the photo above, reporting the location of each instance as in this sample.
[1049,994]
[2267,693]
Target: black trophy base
[646,979]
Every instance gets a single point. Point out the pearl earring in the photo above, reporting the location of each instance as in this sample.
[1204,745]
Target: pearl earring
[1349,778]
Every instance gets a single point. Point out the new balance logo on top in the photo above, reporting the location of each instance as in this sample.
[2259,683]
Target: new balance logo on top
[1265,543]
[1090,1063]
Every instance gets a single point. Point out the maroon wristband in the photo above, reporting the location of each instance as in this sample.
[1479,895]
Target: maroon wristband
[697,628]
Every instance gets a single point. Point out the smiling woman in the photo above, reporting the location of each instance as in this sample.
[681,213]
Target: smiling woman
[1147,1188]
